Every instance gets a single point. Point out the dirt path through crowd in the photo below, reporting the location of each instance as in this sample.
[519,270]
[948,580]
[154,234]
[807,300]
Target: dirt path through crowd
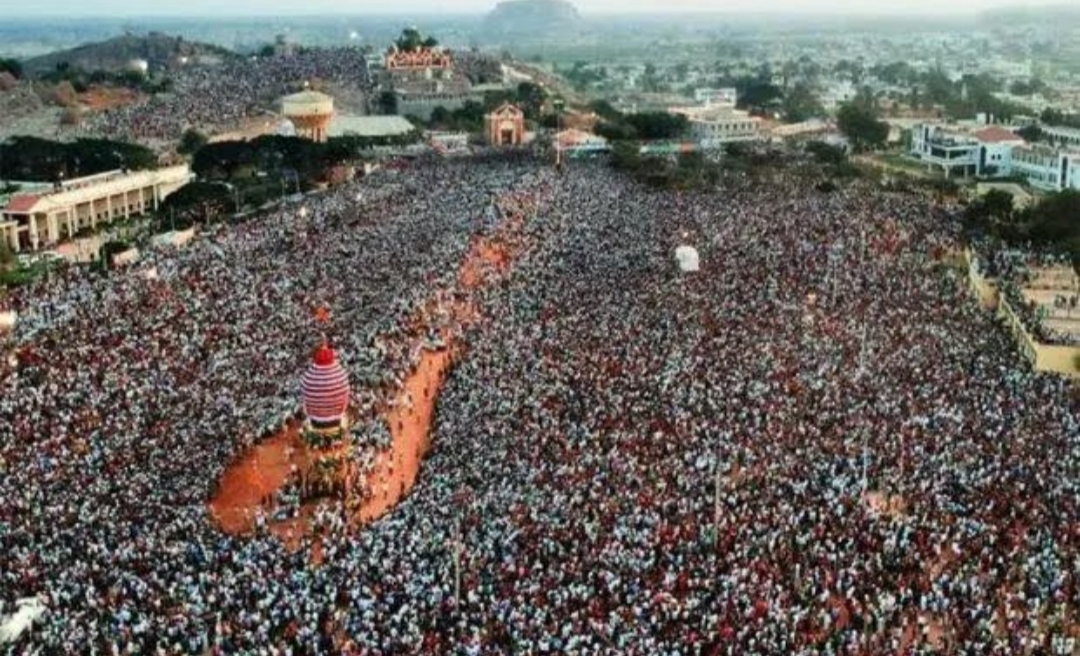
[261,472]
[264,469]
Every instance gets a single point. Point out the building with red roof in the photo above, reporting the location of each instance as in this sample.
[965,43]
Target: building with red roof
[33,221]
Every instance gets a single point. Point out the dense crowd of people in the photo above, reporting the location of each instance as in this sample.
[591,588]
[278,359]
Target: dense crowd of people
[818,444]
[221,97]
[1013,269]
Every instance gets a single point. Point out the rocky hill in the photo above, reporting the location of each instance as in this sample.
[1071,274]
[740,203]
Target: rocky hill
[531,18]
[159,51]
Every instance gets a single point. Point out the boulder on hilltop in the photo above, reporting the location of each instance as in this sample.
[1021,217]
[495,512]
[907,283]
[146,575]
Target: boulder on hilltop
[531,18]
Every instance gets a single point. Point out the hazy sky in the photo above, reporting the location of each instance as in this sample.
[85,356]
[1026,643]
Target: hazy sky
[360,7]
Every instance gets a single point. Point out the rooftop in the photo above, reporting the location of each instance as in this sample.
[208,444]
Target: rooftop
[370,126]
[996,134]
[114,182]
[307,97]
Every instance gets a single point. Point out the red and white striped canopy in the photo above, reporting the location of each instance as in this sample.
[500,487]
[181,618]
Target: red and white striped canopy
[325,388]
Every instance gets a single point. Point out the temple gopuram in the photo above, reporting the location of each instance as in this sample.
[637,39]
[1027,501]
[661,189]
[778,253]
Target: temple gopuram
[422,75]
[423,59]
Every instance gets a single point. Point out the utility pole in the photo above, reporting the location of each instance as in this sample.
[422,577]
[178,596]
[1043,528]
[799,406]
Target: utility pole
[716,500]
[457,564]
[859,376]
[558,126]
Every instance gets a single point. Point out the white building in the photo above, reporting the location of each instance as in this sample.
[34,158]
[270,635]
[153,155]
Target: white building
[714,126]
[725,96]
[30,221]
[956,149]
[837,94]
[369,126]
[993,151]
[1047,168]
[1061,136]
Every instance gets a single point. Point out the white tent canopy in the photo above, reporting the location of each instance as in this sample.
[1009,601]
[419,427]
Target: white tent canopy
[286,128]
[29,611]
[687,257]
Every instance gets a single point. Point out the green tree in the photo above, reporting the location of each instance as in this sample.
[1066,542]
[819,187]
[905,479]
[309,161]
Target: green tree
[658,125]
[1055,221]
[42,160]
[605,110]
[626,156]
[223,160]
[616,131]
[1027,87]
[194,202]
[1030,133]
[440,117]
[993,214]
[411,40]
[111,249]
[13,66]
[758,94]
[801,103]
[861,127]
[531,98]
[388,103]
[826,153]
[191,141]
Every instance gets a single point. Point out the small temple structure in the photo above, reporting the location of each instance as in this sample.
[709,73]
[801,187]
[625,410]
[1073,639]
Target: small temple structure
[505,126]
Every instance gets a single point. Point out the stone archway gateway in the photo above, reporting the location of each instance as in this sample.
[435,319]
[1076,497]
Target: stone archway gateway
[505,126]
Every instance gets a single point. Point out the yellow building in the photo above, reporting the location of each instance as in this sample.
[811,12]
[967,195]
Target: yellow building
[33,221]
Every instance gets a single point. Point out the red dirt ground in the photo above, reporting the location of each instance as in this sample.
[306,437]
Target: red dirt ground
[98,97]
[264,469]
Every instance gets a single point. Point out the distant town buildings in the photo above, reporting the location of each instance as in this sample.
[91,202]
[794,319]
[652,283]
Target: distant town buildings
[726,96]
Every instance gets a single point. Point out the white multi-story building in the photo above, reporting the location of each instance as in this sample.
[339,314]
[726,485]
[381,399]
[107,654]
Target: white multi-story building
[961,150]
[993,151]
[712,126]
[1047,168]
[726,96]
[30,221]
[1062,136]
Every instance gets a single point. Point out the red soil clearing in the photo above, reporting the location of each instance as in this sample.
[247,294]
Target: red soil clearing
[264,469]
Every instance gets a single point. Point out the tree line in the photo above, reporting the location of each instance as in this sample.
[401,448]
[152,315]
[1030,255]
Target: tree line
[32,159]
[1053,223]
[233,175]
[642,126]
